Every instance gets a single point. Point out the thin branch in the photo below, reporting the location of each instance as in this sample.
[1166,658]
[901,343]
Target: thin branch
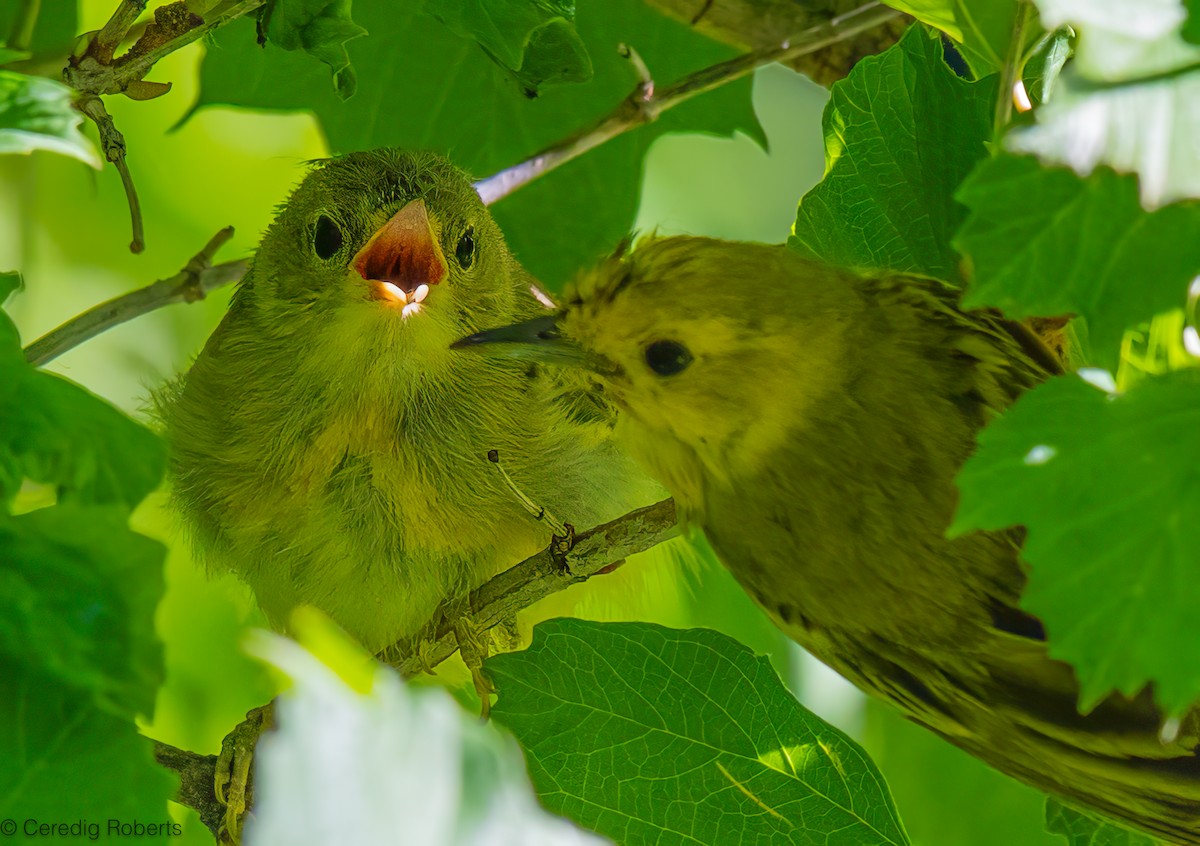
[110,36]
[555,568]
[641,108]
[197,278]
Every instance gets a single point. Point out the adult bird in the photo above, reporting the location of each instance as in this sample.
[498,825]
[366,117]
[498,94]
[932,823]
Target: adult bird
[811,420]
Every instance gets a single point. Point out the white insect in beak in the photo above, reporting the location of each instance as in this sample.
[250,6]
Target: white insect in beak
[411,303]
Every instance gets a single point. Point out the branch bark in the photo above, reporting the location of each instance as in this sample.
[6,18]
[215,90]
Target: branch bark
[553,569]
[758,24]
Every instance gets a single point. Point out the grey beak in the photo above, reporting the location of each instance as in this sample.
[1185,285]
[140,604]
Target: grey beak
[533,340]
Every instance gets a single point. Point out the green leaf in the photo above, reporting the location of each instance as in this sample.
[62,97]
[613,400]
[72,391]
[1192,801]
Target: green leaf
[1044,241]
[78,591]
[653,735]
[535,40]
[1108,488]
[64,760]
[56,432]
[981,28]
[887,201]
[1191,27]
[36,114]
[321,28]
[1129,99]
[1082,830]
[423,87]
[1045,66]
[359,752]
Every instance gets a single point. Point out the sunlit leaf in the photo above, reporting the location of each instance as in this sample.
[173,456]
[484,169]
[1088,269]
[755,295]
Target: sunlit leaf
[884,201]
[654,735]
[1130,99]
[36,114]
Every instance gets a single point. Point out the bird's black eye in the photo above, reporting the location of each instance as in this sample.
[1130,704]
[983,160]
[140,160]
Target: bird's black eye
[666,358]
[327,240]
[465,252]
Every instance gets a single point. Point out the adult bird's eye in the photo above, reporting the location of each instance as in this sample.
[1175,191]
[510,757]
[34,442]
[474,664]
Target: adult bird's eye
[465,252]
[327,240]
[666,358]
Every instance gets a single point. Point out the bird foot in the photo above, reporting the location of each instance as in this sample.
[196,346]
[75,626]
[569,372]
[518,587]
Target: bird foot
[233,782]
[473,645]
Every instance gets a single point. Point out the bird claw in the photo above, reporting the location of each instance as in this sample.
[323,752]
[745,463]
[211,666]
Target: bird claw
[560,545]
[233,783]
[473,646]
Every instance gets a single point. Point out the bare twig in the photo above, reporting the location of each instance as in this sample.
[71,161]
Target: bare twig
[549,571]
[192,283]
[110,36]
[638,108]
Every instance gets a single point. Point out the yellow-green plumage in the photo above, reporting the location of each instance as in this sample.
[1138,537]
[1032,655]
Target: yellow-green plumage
[331,451]
[812,425]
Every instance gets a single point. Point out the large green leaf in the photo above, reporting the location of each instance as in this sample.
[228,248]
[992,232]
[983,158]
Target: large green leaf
[78,591]
[1044,241]
[901,132]
[653,735]
[535,40]
[36,114]
[56,432]
[422,86]
[1108,488]
[64,761]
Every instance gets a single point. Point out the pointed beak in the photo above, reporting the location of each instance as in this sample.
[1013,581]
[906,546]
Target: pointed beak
[539,339]
[404,252]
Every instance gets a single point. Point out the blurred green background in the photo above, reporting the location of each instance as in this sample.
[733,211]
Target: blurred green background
[66,228]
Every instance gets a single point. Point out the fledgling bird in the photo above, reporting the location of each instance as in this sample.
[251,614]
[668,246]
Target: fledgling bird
[330,449]
[811,420]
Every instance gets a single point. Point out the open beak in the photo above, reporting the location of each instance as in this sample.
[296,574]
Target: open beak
[403,257]
[539,339]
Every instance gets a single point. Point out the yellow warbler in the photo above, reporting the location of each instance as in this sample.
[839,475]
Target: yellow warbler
[811,420]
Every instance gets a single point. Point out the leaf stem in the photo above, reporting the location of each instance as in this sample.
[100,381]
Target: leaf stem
[1014,64]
